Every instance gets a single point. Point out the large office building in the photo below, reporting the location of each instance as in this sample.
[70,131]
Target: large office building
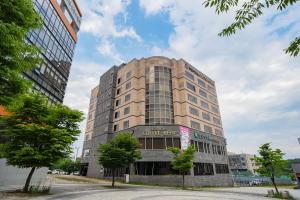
[57,40]
[164,103]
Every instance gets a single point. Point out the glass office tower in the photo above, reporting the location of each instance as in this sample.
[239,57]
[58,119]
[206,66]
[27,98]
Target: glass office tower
[57,40]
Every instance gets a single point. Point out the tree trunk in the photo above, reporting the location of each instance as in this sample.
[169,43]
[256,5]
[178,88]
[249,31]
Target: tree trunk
[183,181]
[25,189]
[274,184]
[113,178]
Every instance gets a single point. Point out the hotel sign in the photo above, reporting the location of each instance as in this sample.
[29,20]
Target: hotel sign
[159,132]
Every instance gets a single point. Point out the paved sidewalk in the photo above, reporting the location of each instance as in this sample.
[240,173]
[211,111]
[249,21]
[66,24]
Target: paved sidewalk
[259,190]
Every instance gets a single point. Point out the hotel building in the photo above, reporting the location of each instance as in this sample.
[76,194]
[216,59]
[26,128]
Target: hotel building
[57,40]
[164,103]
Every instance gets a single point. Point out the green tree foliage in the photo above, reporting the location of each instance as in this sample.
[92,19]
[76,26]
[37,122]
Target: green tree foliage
[17,17]
[250,10]
[120,152]
[183,160]
[270,163]
[37,134]
[66,164]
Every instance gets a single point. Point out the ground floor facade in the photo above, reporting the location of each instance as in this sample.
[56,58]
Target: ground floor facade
[210,162]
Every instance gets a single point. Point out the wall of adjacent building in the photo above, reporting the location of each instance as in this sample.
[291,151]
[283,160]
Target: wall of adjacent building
[13,177]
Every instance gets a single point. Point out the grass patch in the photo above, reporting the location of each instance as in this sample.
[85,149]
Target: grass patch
[38,189]
[82,179]
[280,195]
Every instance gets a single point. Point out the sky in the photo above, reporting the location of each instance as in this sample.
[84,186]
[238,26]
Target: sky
[258,85]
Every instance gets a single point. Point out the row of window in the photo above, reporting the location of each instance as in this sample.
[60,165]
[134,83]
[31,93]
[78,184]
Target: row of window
[126,111]
[205,116]
[165,168]
[202,93]
[127,86]
[119,101]
[200,82]
[128,75]
[55,24]
[204,147]
[125,125]
[158,96]
[159,143]
[207,129]
[203,104]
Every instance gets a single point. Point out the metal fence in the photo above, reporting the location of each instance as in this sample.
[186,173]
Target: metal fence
[246,181]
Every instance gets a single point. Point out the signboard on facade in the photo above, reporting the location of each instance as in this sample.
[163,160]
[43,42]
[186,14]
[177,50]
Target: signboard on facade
[159,132]
[184,137]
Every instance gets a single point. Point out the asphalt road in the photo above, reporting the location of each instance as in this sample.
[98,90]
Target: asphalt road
[128,192]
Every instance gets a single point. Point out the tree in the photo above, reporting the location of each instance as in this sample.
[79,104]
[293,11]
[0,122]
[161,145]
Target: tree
[17,18]
[183,160]
[250,10]
[270,163]
[37,134]
[120,152]
[66,164]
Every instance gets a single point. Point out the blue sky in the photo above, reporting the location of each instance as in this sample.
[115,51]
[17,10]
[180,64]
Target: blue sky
[258,85]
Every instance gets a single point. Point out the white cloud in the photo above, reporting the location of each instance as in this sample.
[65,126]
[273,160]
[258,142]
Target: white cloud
[84,77]
[99,19]
[256,81]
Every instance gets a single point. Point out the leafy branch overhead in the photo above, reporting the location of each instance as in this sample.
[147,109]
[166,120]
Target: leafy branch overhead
[248,12]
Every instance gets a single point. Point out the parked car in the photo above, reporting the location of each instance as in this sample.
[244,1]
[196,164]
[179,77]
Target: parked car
[58,171]
[255,182]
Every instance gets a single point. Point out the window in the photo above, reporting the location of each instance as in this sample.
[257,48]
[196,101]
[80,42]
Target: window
[118,102]
[204,104]
[127,97]
[118,91]
[148,143]
[206,116]
[116,127]
[126,110]
[191,86]
[200,147]
[126,124]
[191,98]
[202,83]
[194,111]
[207,129]
[169,142]
[212,98]
[176,142]
[119,80]
[142,143]
[217,120]
[128,75]
[158,143]
[189,75]
[117,114]
[214,109]
[128,85]
[218,132]
[203,169]
[202,93]
[195,125]
[222,169]
[211,88]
